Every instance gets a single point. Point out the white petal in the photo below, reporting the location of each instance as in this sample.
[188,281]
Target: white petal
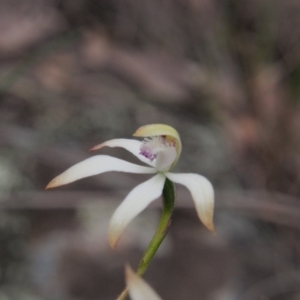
[133,146]
[138,288]
[202,193]
[96,165]
[135,202]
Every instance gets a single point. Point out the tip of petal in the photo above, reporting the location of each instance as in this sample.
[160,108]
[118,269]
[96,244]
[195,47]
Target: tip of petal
[113,244]
[113,239]
[132,278]
[207,219]
[53,183]
[129,273]
[137,287]
[97,147]
[210,226]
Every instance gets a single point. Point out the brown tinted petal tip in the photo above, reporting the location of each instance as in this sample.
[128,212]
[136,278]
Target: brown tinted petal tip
[53,183]
[211,226]
[97,147]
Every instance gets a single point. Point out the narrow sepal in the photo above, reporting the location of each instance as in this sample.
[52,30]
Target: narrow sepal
[202,193]
[133,146]
[135,202]
[96,165]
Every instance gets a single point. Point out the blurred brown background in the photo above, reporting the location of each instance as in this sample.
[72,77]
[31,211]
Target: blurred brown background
[225,74]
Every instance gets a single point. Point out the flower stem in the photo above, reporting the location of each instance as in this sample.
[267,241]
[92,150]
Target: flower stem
[163,227]
[161,232]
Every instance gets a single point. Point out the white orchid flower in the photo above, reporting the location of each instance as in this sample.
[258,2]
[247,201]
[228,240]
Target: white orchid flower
[138,288]
[160,150]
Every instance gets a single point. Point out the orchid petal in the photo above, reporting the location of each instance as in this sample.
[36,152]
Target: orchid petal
[138,288]
[133,146]
[202,193]
[96,165]
[161,130]
[135,202]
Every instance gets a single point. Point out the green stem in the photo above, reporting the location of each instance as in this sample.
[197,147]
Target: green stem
[161,232]
[163,227]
